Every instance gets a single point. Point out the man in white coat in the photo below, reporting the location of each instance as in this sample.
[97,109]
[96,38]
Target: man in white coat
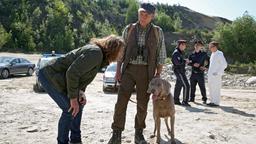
[217,66]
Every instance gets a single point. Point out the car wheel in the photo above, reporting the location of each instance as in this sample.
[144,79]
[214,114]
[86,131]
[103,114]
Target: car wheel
[115,89]
[40,88]
[104,89]
[5,73]
[30,72]
[37,88]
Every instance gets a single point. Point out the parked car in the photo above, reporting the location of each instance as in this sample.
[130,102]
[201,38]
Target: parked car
[41,63]
[12,66]
[109,82]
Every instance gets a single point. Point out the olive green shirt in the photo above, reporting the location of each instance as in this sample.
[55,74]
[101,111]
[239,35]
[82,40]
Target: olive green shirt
[75,70]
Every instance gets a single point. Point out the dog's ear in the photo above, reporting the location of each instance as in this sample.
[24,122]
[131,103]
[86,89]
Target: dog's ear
[167,86]
[166,83]
[149,87]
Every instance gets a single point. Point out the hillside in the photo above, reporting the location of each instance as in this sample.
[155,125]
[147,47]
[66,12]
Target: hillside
[194,20]
[43,25]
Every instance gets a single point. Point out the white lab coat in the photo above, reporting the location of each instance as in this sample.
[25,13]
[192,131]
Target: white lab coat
[217,66]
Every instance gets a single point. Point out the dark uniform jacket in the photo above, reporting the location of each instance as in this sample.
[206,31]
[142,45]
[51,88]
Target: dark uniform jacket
[178,61]
[202,58]
[73,72]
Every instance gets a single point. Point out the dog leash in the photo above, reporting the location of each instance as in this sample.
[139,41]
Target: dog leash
[131,99]
[136,104]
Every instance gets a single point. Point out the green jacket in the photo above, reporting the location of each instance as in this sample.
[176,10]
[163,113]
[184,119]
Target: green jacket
[75,70]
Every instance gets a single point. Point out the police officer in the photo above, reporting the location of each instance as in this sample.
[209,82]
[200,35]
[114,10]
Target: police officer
[199,61]
[179,63]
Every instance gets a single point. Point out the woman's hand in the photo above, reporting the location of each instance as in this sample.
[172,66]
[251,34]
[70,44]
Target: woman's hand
[82,98]
[74,107]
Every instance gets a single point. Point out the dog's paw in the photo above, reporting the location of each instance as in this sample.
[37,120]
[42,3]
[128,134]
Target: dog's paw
[152,136]
[173,142]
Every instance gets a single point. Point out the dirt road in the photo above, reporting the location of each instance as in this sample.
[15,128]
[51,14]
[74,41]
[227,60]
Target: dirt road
[32,118]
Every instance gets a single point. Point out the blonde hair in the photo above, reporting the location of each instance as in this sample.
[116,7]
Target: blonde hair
[112,46]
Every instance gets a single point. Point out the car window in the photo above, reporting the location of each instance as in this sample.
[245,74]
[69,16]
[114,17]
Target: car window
[111,68]
[5,59]
[16,61]
[24,61]
[44,61]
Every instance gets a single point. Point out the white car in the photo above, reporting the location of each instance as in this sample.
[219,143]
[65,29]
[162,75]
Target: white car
[41,63]
[109,82]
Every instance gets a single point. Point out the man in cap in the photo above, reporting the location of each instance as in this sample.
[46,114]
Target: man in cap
[179,63]
[142,60]
[199,61]
[217,66]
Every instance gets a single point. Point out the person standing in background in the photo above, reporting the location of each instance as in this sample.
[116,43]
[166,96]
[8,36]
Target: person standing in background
[217,66]
[179,64]
[199,61]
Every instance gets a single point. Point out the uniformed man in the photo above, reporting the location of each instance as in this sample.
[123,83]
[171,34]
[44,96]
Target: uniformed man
[179,63]
[199,61]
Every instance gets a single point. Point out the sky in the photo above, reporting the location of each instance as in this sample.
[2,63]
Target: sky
[230,9]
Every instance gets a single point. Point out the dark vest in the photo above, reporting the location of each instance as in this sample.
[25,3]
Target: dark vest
[151,44]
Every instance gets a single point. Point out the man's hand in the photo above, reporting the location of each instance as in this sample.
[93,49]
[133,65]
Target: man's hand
[74,107]
[187,61]
[157,75]
[202,68]
[82,98]
[118,76]
[196,65]
[118,72]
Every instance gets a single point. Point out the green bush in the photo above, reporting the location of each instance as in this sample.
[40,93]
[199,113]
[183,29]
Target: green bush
[239,68]
[165,22]
[168,60]
[238,39]
[4,36]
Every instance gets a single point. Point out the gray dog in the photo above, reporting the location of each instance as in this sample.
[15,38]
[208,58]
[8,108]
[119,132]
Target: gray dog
[163,106]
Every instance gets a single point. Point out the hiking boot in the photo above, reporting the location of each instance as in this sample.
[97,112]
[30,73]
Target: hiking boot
[139,138]
[116,137]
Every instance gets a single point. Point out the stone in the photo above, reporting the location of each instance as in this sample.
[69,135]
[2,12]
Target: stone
[251,80]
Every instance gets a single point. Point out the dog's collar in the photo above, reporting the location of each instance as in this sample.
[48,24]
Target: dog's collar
[162,98]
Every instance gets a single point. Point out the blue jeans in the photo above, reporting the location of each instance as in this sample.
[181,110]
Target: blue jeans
[67,123]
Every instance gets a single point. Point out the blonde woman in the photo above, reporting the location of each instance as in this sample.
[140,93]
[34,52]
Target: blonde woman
[66,78]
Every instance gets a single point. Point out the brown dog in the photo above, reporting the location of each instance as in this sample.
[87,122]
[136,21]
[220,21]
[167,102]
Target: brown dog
[163,106]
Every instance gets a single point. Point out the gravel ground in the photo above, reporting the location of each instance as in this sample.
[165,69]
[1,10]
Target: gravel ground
[32,118]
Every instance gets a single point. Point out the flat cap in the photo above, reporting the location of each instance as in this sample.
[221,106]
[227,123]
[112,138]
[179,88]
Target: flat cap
[147,7]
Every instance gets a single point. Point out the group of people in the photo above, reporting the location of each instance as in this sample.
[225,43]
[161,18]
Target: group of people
[140,56]
[200,62]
